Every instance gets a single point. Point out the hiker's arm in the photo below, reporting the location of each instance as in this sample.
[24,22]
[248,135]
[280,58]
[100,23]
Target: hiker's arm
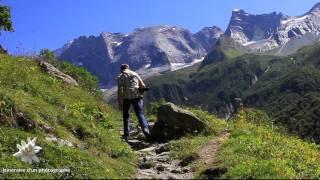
[141,83]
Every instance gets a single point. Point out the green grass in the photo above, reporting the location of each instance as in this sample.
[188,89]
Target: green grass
[189,146]
[257,149]
[75,113]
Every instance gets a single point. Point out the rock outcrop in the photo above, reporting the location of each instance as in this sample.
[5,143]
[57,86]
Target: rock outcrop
[50,69]
[174,122]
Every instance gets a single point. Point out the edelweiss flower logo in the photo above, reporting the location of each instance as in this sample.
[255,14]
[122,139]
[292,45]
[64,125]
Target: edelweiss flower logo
[27,151]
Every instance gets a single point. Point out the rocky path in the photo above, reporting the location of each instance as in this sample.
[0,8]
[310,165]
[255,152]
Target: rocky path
[155,163]
[208,152]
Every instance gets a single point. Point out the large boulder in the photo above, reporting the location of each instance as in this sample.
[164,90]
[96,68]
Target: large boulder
[50,69]
[174,122]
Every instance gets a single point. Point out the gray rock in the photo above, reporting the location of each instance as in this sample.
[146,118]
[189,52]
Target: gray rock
[136,144]
[149,149]
[52,139]
[171,176]
[163,159]
[162,148]
[164,154]
[50,69]
[146,159]
[47,128]
[185,170]
[174,122]
[62,142]
[65,143]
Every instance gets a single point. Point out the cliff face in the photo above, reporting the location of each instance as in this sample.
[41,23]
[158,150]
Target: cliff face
[274,32]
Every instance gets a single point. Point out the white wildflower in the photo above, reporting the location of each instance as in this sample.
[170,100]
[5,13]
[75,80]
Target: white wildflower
[27,151]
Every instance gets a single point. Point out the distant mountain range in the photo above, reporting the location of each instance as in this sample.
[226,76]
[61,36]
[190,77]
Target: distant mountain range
[149,50]
[157,49]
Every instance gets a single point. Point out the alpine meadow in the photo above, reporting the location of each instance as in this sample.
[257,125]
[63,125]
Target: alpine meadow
[100,93]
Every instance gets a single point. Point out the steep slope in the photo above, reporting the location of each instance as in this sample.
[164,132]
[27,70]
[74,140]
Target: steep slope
[148,50]
[225,48]
[75,129]
[246,28]
[286,87]
[208,37]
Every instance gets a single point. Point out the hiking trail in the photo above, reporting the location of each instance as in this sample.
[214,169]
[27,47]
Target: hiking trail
[155,162]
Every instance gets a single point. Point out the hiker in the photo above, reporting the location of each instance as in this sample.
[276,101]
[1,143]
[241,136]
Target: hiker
[130,92]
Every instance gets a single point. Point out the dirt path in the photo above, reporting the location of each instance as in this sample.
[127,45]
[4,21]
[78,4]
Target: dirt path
[155,163]
[208,152]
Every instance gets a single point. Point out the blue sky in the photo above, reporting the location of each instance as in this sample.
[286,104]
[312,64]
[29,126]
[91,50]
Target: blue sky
[51,23]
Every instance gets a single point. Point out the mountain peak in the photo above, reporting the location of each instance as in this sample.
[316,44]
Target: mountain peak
[239,11]
[316,7]
[211,29]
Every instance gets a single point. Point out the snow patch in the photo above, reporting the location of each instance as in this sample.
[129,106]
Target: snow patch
[249,43]
[177,66]
[147,66]
[116,43]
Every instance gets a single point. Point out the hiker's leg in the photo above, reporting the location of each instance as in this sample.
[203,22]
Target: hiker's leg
[138,109]
[125,111]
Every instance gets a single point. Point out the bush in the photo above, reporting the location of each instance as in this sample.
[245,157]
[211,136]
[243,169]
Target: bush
[82,76]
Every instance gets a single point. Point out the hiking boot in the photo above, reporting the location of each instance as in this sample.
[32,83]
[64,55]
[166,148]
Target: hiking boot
[146,131]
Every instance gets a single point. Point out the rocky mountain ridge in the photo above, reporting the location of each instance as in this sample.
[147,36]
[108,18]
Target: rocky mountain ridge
[149,50]
[276,32]
[156,49]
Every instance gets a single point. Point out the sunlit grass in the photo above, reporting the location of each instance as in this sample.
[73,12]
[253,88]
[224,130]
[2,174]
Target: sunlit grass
[75,113]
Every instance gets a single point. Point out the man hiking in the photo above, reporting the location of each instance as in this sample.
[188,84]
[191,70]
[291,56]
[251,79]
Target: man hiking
[130,92]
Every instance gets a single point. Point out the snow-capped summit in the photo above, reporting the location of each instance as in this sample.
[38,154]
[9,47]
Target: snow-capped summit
[265,32]
[149,50]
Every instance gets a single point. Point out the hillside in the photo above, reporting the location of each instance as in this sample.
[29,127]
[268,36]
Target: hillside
[248,146]
[78,132]
[75,129]
[286,87]
[256,149]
